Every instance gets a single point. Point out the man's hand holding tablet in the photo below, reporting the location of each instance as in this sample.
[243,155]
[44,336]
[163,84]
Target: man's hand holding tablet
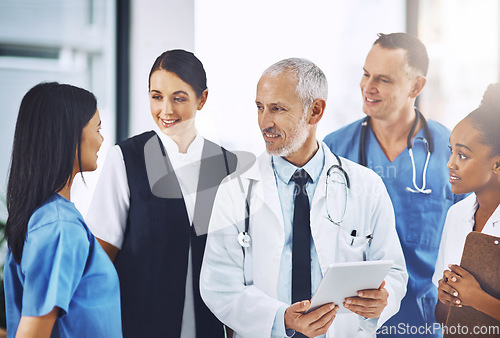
[354,286]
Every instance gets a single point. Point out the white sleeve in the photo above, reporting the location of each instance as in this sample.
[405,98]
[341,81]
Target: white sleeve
[386,246]
[108,211]
[244,308]
[440,262]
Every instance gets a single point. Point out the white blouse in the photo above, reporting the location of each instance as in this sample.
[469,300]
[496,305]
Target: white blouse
[108,211]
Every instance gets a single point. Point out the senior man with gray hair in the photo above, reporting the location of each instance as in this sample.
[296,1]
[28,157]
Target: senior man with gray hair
[275,228]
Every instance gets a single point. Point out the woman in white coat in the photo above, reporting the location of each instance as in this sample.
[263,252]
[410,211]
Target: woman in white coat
[474,167]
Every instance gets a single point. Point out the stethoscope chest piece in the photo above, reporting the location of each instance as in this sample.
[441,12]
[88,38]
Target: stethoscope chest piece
[244,239]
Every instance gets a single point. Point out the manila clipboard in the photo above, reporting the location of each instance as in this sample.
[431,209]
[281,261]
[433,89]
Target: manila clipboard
[481,257]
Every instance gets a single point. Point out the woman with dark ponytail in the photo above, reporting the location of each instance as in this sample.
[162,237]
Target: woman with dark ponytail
[58,280]
[152,204]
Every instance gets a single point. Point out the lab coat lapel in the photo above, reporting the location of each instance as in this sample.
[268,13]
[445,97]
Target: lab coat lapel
[323,231]
[266,228]
[269,195]
[492,226]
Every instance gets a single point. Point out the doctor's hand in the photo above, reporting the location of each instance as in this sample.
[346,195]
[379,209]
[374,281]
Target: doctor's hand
[312,324]
[368,303]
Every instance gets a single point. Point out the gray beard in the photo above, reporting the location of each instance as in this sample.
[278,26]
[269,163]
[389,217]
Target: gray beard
[298,139]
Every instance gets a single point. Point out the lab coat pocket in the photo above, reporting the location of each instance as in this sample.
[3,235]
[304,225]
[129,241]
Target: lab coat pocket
[350,248]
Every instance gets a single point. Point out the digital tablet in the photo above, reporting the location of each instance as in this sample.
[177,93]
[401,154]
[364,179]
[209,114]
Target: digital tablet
[344,280]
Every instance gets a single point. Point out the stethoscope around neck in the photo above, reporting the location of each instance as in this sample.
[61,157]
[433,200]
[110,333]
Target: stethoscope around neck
[429,145]
[336,171]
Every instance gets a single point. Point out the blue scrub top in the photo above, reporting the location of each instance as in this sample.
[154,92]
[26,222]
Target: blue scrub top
[63,265]
[419,217]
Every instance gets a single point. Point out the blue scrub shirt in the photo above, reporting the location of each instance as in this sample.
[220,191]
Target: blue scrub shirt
[419,217]
[63,265]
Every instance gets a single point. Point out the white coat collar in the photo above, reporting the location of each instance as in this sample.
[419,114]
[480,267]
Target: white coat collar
[495,218]
[267,191]
[263,165]
[468,209]
[491,224]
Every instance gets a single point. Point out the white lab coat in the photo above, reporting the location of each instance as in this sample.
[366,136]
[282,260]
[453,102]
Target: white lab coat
[459,223]
[241,288]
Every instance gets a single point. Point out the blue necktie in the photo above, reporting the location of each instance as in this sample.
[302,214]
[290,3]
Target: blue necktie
[301,249]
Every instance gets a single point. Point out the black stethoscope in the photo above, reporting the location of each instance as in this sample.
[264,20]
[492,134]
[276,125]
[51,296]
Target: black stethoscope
[335,174]
[244,237]
[429,144]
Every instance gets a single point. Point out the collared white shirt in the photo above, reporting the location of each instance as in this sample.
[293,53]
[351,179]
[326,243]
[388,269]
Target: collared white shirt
[186,167]
[459,223]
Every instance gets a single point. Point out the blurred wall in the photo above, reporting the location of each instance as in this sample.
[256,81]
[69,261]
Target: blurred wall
[156,26]
[55,40]
[74,41]
[237,41]
[463,42]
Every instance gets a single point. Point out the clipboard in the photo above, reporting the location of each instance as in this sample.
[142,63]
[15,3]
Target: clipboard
[481,258]
[344,280]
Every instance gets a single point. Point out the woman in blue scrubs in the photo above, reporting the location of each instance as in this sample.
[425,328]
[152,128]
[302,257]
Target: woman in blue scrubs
[59,282]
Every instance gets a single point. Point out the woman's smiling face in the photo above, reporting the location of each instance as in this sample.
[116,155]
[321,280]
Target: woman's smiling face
[173,103]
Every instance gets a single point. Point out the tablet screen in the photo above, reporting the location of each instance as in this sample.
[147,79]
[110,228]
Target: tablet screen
[344,280]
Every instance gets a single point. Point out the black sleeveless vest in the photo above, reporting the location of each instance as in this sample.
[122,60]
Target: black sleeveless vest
[152,263]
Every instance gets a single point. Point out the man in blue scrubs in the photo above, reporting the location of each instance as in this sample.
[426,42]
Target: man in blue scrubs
[393,76]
